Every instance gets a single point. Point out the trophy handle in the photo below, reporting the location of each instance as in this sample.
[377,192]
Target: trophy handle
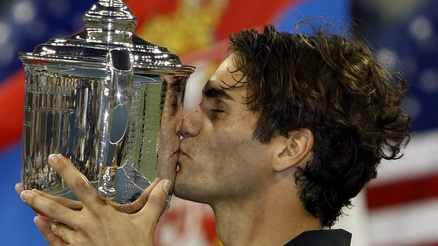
[114,117]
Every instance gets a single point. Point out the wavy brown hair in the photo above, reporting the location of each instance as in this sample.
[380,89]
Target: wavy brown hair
[333,86]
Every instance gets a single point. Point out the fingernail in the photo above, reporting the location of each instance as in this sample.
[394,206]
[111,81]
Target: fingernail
[53,158]
[53,227]
[166,186]
[24,195]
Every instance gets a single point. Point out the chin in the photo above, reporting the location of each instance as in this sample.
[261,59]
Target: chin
[185,190]
[178,187]
[180,193]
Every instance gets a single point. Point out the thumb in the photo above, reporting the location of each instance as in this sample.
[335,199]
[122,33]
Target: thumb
[155,205]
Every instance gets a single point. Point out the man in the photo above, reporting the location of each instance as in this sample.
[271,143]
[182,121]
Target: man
[290,128]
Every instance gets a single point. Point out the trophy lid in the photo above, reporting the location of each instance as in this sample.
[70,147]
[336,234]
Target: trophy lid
[109,24]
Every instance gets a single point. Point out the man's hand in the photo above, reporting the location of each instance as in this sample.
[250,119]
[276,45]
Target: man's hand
[93,221]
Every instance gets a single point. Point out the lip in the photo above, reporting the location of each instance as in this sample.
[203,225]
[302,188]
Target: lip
[181,154]
[181,148]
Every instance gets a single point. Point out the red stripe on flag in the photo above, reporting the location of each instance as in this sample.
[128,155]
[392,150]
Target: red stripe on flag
[404,191]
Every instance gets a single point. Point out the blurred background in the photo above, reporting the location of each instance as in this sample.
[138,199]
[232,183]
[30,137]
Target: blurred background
[400,207]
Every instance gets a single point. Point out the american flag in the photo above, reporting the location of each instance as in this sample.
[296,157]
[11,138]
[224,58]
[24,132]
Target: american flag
[403,201]
[399,208]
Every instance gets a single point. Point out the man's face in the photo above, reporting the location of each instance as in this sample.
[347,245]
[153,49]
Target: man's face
[219,160]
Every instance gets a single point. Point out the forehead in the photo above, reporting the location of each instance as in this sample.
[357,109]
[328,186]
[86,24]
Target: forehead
[222,78]
[227,75]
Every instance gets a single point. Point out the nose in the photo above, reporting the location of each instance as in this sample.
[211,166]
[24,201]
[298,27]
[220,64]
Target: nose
[191,123]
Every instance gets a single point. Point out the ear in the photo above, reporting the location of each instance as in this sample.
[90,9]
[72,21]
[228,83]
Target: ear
[293,149]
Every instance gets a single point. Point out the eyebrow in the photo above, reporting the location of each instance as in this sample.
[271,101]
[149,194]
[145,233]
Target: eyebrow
[215,92]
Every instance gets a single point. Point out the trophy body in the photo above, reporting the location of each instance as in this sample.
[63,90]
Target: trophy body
[107,100]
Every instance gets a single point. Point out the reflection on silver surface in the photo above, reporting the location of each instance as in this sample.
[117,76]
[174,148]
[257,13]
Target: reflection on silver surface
[106,100]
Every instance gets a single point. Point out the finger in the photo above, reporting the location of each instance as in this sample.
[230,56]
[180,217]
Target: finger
[47,207]
[138,204]
[75,205]
[155,205]
[45,228]
[62,231]
[76,181]
[19,188]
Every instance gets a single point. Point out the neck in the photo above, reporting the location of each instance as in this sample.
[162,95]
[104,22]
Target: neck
[264,220]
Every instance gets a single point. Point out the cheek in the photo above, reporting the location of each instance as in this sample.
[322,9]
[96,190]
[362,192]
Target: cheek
[241,128]
[234,147]
[231,139]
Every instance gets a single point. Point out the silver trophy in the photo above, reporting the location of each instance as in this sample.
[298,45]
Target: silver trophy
[107,100]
